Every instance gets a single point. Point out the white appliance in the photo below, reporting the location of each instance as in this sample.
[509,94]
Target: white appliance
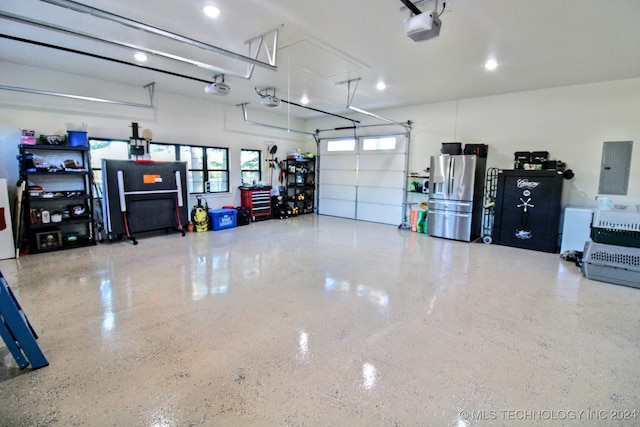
[7,248]
[423,26]
[576,229]
[217,89]
[270,101]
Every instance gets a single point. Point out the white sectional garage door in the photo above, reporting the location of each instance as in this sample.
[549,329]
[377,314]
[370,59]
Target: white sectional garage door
[363,179]
[338,178]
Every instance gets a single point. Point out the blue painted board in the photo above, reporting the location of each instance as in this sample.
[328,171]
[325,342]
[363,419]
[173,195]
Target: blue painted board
[16,331]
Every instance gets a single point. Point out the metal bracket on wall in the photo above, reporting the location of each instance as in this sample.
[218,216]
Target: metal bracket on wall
[247,121]
[255,43]
[351,94]
[150,87]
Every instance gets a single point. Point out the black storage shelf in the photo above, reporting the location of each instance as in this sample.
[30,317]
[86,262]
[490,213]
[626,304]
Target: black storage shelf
[38,199]
[65,246]
[73,186]
[300,180]
[57,172]
[74,221]
[28,147]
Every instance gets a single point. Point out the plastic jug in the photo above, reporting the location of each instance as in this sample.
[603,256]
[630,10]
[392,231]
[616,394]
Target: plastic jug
[603,202]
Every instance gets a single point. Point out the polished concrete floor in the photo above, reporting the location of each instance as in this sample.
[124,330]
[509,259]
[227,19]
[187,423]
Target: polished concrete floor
[320,321]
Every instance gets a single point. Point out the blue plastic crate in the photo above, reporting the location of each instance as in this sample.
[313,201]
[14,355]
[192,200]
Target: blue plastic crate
[77,138]
[222,218]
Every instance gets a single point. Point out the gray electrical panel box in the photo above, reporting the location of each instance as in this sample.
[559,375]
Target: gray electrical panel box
[615,168]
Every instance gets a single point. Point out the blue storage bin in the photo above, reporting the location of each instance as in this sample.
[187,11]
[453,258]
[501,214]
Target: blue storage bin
[222,218]
[77,138]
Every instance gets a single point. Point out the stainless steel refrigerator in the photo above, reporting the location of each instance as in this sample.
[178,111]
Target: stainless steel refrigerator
[455,196]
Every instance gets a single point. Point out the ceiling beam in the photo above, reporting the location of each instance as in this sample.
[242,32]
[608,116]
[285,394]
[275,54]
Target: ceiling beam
[82,34]
[106,58]
[102,14]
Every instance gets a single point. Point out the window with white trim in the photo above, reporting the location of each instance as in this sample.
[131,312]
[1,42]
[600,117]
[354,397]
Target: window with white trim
[385,143]
[341,145]
[250,162]
[207,167]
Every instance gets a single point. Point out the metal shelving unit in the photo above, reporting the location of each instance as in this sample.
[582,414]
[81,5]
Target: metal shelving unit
[489,203]
[300,179]
[57,212]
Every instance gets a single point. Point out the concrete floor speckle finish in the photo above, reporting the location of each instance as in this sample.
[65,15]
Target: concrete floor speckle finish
[320,321]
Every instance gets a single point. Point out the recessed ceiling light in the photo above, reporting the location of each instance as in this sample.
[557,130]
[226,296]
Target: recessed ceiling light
[304,100]
[381,85]
[491,64]
[211,11]
[141,57]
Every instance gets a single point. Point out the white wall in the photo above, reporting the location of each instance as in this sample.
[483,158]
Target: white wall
[569,122]
[176,119]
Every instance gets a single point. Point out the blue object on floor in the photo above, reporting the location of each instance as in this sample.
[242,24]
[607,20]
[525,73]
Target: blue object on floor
[222,218]
[16,331]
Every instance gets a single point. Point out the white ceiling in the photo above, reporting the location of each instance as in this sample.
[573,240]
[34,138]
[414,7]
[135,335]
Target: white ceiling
[538,44]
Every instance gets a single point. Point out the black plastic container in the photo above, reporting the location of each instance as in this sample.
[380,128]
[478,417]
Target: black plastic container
[453,148]
[479,150]
[522,156]
[539,156]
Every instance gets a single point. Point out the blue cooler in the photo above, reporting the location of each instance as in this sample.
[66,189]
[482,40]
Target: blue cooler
[222,218]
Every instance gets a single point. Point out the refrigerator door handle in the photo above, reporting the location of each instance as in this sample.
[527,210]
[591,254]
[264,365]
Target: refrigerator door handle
[449,203]
[450,177]
[461,215]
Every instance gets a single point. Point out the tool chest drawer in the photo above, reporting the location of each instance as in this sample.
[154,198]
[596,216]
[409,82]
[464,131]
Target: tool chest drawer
[258,202]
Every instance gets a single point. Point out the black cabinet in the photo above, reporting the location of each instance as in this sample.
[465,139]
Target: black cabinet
[527,210]
[57,205]
[301,185]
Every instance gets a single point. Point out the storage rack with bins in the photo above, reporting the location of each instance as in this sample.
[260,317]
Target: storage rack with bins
[57,204]
[614,254]
[489,203]
[301,185]
[258,201]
